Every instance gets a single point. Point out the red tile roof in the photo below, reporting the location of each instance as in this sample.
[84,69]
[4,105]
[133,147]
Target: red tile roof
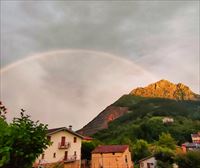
[87,138]
[110,149]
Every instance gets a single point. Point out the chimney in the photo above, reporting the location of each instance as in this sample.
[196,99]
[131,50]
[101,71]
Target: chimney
[70,127]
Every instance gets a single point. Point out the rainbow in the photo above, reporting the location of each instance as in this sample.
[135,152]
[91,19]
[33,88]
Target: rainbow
[45,55]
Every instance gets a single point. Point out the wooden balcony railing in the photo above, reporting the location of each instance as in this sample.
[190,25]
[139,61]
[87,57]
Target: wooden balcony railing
[65,145]
[70,158]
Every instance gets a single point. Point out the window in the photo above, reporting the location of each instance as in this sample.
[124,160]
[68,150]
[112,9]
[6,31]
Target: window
[66,155]
[148,165]
[113,153]
[75,139]
[63,141]
[54,155]
[75,155]
[49,138]
[43,156]
[126,159]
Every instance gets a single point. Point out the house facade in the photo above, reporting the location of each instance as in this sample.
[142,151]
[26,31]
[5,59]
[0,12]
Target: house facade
[190,147]
[194,146]
[196,138]
[65,148]
[167,120]
[111,156]
[148,162]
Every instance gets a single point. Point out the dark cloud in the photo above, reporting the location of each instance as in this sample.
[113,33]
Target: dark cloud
[132,29]
[162,36]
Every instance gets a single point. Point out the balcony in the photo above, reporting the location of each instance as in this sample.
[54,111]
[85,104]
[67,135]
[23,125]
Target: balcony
[70,158]
[65,145]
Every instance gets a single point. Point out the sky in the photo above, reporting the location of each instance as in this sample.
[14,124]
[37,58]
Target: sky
[65,61]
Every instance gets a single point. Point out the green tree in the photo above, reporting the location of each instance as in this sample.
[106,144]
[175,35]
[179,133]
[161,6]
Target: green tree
[140,150]
[3,111]
[21,141]
[190,159]
[4,133]
[166,141]
[4,150]
[164,157]
[87,148]
[165,150]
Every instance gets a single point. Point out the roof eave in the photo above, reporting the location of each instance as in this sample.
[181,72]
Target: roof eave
[146,158]
[65,129]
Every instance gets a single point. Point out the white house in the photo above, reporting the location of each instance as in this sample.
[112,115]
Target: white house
[65,148]
[148,162]
[168,120]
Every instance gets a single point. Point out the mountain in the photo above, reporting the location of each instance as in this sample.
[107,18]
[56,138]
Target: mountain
[101,121]
[166,89]
[162,98]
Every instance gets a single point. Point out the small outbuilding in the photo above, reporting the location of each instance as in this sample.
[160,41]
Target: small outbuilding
[111,156]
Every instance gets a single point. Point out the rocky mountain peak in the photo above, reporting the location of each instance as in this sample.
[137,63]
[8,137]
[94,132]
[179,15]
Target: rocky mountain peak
[166,89]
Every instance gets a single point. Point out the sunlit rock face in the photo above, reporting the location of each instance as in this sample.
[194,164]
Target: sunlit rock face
[68,87]
[166,89]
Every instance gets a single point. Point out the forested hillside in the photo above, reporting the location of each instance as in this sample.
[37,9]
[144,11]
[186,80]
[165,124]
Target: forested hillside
[144,120]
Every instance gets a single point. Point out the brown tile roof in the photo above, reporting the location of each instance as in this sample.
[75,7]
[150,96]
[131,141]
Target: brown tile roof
[54,130]
[110,149]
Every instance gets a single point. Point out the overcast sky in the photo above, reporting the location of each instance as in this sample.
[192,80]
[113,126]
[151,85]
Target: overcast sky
[108,48]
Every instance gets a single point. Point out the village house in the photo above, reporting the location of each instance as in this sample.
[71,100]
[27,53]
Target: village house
[148,162]
[65,148]
[196,138]
[190,147]
[111,156]
[194,146]
[167,120]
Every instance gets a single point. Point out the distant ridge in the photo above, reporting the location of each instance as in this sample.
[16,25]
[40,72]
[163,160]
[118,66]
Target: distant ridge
[162,89]
[166,89]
